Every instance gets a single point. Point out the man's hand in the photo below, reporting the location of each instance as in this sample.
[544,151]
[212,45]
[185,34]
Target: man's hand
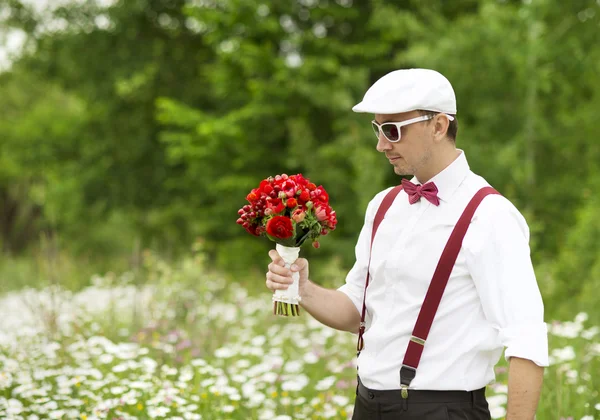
[524,387]
[279,277]
[330,307]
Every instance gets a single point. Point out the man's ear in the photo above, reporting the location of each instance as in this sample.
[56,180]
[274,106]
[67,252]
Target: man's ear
[440,127]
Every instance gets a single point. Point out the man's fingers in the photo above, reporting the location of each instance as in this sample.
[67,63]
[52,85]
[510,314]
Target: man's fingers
[276,257]
[279,277]
[299,264]
[276,286]
[276,278]
[276,282]
[277,269]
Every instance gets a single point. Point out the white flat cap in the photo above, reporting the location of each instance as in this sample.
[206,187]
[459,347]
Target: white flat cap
[409,90]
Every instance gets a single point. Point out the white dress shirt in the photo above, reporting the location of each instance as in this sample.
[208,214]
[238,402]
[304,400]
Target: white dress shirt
[492,299]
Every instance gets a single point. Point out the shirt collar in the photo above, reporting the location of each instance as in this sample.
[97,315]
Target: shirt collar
[450,178]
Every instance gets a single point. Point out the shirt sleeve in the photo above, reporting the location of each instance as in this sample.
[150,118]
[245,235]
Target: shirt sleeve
[498,258]
[354,287]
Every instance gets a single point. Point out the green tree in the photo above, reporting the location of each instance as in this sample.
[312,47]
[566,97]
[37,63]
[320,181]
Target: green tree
[170,111]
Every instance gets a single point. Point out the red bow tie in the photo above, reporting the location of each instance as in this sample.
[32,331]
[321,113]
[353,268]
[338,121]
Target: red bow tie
[415,192]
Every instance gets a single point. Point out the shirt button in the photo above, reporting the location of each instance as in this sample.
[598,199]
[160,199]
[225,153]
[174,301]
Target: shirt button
[371,395]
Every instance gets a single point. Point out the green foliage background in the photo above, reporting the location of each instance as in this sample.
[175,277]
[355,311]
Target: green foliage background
[144,123]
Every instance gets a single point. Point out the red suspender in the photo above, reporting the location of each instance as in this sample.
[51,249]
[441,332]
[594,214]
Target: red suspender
[436,287]
[383,208]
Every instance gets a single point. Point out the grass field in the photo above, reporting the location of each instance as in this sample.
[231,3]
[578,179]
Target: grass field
[186,345]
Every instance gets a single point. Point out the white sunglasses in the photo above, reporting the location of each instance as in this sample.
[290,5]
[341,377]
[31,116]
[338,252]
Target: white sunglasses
[391,130]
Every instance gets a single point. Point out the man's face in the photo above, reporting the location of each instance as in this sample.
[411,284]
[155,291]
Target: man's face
[414,150]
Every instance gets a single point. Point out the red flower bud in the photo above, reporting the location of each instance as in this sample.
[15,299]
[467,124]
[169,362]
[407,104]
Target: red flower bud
[304,196]
[291,203]
[316,244]
[253,230]
[298,215]
[240,212]
[239,221]
[321,213]
[276,206]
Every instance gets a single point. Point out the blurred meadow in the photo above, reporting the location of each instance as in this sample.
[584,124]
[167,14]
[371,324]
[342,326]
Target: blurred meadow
[131,132]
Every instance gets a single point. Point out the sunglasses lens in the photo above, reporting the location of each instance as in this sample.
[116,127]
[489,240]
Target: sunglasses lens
[375,129]
[391,131]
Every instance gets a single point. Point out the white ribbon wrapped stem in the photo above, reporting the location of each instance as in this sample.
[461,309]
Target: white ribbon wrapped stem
[291,294]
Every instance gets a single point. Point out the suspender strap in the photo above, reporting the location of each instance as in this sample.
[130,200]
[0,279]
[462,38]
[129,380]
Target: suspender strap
[436,289]
[383,208]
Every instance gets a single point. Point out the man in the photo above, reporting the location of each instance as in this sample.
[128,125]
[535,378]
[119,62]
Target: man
[491,300]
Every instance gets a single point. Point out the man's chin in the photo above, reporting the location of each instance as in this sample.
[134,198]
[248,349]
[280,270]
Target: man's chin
[401,171]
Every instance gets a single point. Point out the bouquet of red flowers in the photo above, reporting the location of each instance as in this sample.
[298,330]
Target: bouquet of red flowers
[288,210]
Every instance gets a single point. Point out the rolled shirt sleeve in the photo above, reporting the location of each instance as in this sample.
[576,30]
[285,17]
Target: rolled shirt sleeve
[498,258]
[352,288]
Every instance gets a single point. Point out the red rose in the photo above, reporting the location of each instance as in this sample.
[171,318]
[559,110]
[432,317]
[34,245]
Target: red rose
[280,227]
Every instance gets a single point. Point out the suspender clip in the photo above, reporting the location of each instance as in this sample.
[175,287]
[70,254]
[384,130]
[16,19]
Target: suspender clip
[407,374]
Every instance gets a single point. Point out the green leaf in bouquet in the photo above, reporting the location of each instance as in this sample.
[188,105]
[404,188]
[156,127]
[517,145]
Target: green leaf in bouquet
[291,241]
[305,234]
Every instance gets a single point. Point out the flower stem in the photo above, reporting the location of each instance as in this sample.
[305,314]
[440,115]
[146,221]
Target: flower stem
[286,309]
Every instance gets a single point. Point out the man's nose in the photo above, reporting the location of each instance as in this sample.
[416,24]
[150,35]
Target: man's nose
[383,144]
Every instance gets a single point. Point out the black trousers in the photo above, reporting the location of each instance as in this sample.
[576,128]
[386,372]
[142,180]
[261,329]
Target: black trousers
[420,405]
